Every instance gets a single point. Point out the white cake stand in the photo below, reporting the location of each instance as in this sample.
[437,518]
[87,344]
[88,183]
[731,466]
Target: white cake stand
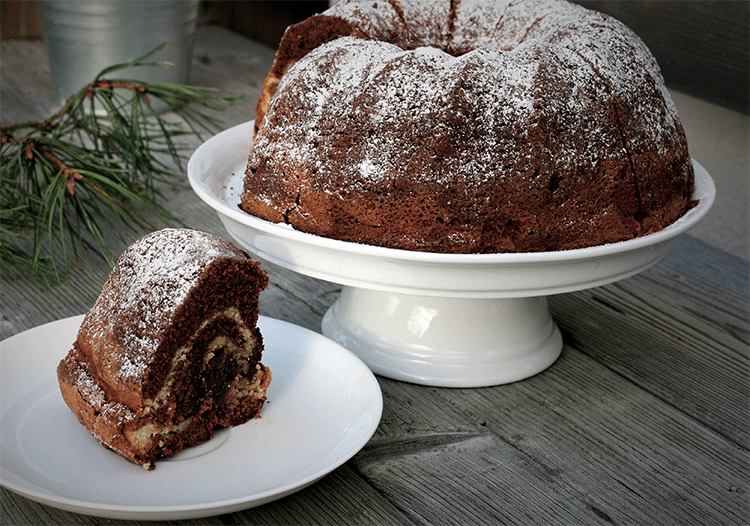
[436,319]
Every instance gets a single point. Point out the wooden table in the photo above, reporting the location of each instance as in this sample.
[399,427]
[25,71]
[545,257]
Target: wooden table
[642,420]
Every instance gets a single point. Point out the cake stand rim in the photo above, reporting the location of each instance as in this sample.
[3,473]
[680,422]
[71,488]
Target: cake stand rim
[231,146]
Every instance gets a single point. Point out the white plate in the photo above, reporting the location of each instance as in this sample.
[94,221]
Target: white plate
[323,406]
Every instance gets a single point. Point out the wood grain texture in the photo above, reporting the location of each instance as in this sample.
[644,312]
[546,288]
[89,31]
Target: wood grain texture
[576,444]
[679,330]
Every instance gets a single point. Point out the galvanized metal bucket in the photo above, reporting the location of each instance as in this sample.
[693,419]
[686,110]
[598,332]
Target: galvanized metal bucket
[85,36]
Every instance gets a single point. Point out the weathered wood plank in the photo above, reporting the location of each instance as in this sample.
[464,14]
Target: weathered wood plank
[678,330]
[26,88]
[576,444]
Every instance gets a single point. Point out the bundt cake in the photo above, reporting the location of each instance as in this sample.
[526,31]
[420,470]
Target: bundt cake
[467,126]
[170,350]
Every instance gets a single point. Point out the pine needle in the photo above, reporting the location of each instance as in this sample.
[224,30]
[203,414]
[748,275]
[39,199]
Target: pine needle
[97,165]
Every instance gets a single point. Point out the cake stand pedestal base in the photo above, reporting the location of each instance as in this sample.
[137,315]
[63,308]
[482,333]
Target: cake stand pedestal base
[445,342]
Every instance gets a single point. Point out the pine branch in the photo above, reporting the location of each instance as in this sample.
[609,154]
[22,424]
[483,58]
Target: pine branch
[98,163]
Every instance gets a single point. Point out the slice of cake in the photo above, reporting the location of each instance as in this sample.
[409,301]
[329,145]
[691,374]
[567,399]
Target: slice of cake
[170,350]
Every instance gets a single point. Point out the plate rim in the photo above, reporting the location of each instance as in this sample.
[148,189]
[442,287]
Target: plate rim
[39,493]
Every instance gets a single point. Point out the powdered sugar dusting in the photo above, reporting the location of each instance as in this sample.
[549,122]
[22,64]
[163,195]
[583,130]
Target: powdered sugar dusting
[151,279]
[392,20]
[364,81]
[89,389]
